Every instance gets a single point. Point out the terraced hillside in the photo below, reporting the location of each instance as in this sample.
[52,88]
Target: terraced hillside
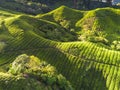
[76,42]
[99,25]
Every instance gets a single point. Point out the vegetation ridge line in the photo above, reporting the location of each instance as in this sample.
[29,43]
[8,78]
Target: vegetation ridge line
[82,57]
[90,60]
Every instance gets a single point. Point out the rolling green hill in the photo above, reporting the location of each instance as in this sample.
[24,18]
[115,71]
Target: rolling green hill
[99,25]
[76,42]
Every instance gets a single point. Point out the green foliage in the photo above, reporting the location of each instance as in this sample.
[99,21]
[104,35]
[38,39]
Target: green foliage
[25,6]
[32,67]
[115,45]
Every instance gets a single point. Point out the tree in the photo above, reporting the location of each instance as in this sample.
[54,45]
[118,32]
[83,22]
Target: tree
[87,4]
[75,3]
[109,2]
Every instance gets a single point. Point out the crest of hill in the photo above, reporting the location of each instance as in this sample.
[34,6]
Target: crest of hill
[103,20]
[14,25]
[101,23]
[19,25]
[63,15]
[5,13]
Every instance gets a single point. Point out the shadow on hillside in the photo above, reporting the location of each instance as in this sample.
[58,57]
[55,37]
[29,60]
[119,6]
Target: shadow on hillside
[92,80]
[80,78]
[58,59]
[65,64]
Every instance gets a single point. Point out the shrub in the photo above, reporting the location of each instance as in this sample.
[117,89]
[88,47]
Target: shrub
[32,67]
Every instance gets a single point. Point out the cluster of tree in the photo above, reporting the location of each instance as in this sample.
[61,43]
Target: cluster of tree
[77,3]
[25,6]
[41,6]
[87,4]
[33,68]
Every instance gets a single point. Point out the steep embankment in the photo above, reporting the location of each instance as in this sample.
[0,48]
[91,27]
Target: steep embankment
[85,64]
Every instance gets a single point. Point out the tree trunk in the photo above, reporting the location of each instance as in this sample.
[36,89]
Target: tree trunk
[109,2]
[75,4]
[87,4]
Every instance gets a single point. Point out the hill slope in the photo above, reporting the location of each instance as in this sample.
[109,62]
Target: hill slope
[85,64]
[99,25]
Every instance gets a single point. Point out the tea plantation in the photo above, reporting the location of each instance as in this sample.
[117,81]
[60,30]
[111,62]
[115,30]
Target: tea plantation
[83,46]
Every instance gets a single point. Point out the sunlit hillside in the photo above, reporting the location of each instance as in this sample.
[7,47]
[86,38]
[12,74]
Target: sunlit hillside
[83,46]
